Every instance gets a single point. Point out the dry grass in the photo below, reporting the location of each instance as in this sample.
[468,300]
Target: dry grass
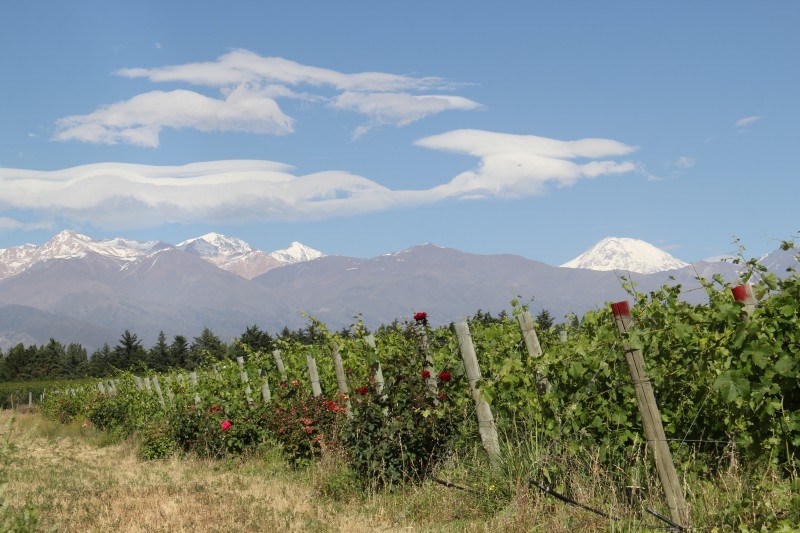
[78,479]
[77,486]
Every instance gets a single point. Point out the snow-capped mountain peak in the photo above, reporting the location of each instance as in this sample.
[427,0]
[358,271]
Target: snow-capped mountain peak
[215,245]
[297,252]
[620,253]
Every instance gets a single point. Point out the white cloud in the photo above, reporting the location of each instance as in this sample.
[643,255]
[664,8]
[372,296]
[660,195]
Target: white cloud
[399,109]
[124,196]
[684,162]
[7,223]
[746,121]
[513,166]
[139,120]
[250,86]
[244,66]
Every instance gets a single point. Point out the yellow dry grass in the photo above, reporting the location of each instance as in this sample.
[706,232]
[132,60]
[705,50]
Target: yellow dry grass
[77,486]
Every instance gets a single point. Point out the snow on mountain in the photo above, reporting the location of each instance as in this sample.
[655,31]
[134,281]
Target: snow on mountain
[228,253]
[218,247]
[231,254]
[632,255]
[71,245]
[297,253]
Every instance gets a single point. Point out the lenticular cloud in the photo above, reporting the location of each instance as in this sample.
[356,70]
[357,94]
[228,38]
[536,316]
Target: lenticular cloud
[124,196]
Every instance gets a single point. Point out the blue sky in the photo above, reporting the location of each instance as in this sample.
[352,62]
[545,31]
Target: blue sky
[361,128]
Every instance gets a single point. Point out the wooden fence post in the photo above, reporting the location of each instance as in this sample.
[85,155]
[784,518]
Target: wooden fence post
[527,325]
[486,425]
[266,394]
[426,358]
[341,378]
[313,375]
[138,381]
[158,391]
[377,371]
[246,381]
[279,363]
[147,384]
[651,421]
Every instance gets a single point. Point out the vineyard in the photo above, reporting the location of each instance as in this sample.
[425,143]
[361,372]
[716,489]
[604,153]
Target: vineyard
[538,412]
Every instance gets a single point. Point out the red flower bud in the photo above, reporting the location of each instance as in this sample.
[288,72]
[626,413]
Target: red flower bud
[445,376]
[226,425]
[363,390]
[421,317]
[426,374]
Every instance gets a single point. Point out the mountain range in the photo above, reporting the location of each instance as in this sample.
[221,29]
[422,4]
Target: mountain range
[77,289]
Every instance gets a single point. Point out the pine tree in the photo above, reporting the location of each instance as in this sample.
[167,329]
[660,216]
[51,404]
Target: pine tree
[179,353]
[544,320]
[158,358]
[129,352]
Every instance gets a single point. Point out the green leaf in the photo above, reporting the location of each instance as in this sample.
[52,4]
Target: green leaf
[732,385]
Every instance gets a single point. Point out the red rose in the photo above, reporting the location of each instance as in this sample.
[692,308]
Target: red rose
[363,390]
[283,384]
[445,376]
[426,374]
[442,396]
[421,317]
[226,425]
[215,409]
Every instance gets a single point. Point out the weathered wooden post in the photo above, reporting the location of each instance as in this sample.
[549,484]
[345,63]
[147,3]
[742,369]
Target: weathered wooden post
[139,384]
[266,394]
[424,346]
[30,398]
[562,336]
[101,388]
[245,381]
[527,325]
[486,425]
[158,391]
[279,363]
[147,384]
[377,371]
[651,420]
[313,375]
[341,378]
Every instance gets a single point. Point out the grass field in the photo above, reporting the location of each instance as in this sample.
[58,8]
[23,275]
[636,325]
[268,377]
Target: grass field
[74,478]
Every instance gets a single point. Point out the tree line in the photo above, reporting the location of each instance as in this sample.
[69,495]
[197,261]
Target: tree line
[56,360]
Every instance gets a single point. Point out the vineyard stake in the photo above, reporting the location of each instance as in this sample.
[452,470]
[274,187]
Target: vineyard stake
[486,425]
[279,363]
[313,375]
[266,394]
[158,391]
[377,371]
[341,378]
[526,324]
[427,360]
[651,420]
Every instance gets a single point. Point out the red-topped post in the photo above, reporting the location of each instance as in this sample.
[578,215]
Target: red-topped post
[744,294]
[651,420]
